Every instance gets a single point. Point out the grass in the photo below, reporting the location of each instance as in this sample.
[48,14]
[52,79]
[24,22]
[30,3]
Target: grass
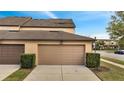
[114,60]
[109,72]
[110,51]
[18,75]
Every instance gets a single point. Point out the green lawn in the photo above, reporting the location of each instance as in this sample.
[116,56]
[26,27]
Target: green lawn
[110,51]
[19,75]
[108,72]
[114,60]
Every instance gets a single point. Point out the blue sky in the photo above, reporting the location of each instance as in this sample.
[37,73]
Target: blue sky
[88,23]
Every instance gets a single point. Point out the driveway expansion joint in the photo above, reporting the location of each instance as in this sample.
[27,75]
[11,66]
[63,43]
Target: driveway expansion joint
[61,73]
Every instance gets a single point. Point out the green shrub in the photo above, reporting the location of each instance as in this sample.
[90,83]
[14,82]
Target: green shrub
[92,60]
[27,60]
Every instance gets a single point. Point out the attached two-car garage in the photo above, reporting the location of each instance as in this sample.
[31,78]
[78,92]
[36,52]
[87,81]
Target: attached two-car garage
[47,54]
[61,54]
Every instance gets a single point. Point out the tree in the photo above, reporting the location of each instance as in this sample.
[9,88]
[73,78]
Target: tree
[116,28]
[116,25]
[121,43]
[99,44]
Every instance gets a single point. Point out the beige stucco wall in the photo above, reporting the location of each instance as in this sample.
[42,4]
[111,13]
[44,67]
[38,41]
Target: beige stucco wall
[71,30]
[32,46]
[9,28]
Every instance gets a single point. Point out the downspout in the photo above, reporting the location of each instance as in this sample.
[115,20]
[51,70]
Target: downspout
[19,27]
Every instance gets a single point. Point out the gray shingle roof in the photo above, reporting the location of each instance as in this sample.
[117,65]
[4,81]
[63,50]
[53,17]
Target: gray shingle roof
[56,23]
[13,21]
[42,35]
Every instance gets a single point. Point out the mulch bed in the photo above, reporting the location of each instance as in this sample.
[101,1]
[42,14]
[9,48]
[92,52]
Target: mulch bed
[100,69]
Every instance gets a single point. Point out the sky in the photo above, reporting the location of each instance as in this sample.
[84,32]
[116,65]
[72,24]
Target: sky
[88,23]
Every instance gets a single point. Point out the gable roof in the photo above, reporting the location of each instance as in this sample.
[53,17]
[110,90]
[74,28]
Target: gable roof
[42,35]
[24,22]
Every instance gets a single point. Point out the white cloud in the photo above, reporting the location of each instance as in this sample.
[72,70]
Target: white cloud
[40,14]
[93,15]
[100,36]
[50,14]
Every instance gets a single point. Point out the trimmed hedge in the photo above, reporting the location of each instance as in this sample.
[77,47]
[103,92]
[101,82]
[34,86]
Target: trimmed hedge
[92,60]
[27,60]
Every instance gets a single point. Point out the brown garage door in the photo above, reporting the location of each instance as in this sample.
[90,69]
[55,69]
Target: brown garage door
[10,54]
[61,54]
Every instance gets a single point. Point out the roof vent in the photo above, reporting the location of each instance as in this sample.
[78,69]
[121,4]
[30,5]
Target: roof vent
[53,31]
[37,19]
[13,30]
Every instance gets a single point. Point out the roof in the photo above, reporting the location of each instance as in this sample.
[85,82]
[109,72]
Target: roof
[12,21]
[29,22]
[42,35]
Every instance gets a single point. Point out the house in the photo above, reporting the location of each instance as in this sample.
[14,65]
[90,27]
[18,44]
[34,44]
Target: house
[52,40]
[106,44]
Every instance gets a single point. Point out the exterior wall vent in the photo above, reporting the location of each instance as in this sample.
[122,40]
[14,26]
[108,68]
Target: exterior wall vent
[53,31]
[13,30]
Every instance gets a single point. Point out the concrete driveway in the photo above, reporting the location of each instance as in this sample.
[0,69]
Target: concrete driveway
[111,55]
[61,73]
[6,70]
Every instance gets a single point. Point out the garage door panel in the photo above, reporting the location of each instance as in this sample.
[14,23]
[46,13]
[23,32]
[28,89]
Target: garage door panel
[10,54]
[60,54]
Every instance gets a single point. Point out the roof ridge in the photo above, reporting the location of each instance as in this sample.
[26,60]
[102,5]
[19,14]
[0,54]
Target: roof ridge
[18,17]
[38,18]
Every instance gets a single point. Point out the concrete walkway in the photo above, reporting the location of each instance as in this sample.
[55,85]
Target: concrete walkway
[6,70]
[61,73]
[115,64]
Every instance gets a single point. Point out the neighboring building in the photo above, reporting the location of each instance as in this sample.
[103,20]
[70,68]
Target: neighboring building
[106,44]
[52,40]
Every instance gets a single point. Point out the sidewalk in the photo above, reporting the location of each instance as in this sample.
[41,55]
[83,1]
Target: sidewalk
[116,64]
